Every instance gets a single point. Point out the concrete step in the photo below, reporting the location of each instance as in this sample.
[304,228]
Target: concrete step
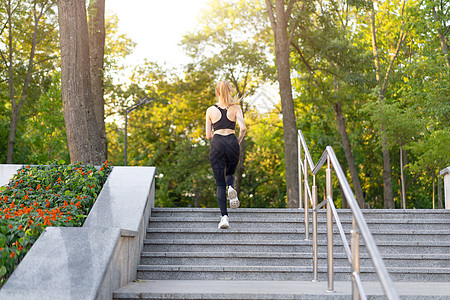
[269,244]
[302,246]
[235,289]
[286,259]
[199,272]
[295,223]
[288,234]
[280,213]
[185,256]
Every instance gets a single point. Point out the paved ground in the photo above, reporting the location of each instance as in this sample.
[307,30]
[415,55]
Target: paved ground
[198,289]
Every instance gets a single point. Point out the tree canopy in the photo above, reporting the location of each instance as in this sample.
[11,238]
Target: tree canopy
[370,78]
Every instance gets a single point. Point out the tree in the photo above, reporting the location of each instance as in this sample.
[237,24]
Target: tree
[38,32]
[402,126]
[381,91]
[279,17]
[331,61]
[440,14]
[83,134]
[97,52]
[240,51]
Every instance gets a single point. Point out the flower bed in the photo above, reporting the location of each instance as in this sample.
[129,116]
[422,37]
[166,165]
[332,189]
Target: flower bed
[41,196]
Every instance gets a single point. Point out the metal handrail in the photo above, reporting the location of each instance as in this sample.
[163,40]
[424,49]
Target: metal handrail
[358,223]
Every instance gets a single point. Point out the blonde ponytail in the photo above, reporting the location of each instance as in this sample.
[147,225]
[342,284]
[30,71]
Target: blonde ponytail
[224,92]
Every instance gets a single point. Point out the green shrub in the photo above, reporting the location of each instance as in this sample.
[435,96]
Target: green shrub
[41,196]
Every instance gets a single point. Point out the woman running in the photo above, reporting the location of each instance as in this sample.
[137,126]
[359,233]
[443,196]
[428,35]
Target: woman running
[221,120]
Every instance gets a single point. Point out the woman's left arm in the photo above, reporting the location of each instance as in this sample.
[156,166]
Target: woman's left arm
[241,123]
[208,126]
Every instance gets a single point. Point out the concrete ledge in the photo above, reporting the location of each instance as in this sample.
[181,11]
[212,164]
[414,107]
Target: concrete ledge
[92,261]
[7,172]
[64,263]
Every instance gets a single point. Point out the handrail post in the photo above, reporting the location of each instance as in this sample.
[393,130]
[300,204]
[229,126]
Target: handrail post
[355,258]
[329,192]
[315,247]
[305,173]
[300,171]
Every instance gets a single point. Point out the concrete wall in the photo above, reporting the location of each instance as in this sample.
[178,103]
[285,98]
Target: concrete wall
[92,261]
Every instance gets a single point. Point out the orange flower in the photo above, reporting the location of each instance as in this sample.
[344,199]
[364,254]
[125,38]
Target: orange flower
[1,249]
[38,187]
[13,254]
[10,226]
[20,248]
[20,227]
[48,187]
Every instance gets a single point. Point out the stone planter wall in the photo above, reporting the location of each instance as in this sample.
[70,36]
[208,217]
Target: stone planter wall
[92,261]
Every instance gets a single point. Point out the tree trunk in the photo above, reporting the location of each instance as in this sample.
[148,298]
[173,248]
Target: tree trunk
[387,178]
[440,204]
[197,194]
[14,115]
[83,136]
[97,53]
[282,52]
[402,178]
[343,198]
[348,154]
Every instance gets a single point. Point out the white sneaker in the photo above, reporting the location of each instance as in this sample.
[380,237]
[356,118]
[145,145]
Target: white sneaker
[232,196]
[224,222]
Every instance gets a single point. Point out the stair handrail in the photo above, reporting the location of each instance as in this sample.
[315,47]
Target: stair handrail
[358,221]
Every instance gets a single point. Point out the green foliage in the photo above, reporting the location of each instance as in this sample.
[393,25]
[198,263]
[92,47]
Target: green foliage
[332,62]
[44,136]
[41,196]
[40,76]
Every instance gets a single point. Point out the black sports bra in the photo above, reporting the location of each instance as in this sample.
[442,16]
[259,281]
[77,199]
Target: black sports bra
[224,122]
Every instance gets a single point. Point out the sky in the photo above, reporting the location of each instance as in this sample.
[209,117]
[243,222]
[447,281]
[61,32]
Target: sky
[157,26]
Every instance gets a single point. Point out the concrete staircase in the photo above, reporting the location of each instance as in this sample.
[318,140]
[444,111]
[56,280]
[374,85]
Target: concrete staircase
[269,246]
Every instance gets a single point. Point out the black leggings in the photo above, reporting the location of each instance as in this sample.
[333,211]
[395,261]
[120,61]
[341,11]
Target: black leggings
[224,158]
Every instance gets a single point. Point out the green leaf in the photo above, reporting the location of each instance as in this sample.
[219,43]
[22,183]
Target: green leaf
[2,271]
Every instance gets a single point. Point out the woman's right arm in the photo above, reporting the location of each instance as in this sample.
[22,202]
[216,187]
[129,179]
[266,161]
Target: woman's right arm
[241,122]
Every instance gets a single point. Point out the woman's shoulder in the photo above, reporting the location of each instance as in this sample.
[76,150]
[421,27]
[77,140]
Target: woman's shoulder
[235,107]
[210,108]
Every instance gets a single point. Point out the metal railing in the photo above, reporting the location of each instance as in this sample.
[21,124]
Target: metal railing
[359,224]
